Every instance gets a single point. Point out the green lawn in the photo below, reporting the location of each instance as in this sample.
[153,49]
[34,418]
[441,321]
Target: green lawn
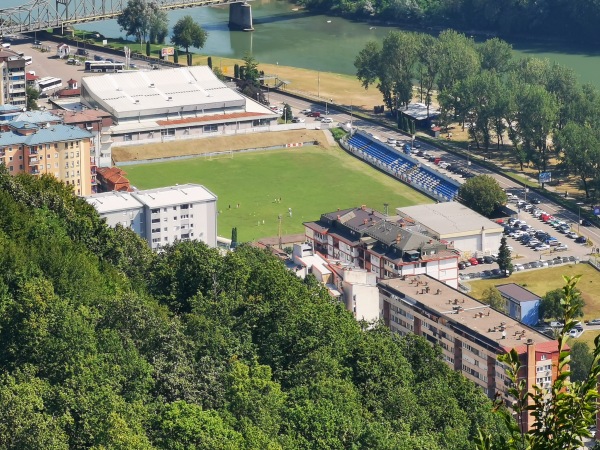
[310,181]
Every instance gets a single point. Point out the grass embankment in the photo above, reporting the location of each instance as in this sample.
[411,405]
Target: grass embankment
[309,180]
[541,281]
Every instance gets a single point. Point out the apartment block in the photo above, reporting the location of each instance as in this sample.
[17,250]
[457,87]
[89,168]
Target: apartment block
[12,81]
[470,333]
[388,247]
[59,150]
[164,215]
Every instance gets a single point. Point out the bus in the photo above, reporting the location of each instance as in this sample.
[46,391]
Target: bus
[103,66]
[49,83]
[28,59]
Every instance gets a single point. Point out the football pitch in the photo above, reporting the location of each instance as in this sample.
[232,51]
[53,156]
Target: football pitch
[299,184]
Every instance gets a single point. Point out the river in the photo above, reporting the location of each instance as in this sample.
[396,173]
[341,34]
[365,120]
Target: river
[295,38]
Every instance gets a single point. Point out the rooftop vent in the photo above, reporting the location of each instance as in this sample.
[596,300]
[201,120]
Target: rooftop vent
[151,84]
[169,99]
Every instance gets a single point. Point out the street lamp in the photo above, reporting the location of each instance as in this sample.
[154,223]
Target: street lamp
[579,204]
[468,154]
[330,100]
[526,191]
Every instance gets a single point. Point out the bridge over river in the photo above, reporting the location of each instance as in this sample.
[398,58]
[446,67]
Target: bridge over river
[39,15]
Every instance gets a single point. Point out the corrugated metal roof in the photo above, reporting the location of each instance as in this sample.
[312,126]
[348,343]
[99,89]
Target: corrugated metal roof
[55,133]
[145,93]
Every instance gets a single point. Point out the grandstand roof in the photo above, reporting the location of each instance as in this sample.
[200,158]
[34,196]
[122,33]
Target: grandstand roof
[176,91]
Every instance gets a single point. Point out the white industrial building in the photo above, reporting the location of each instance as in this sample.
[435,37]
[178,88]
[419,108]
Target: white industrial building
[164,215]
[457,225]
[182,102]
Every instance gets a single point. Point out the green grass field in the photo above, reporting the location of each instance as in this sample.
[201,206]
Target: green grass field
[309,180]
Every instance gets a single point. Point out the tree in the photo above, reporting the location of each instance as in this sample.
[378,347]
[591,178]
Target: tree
[458,59]
[234,240]
[250,72]
[32,97]
[562,413]
[141,18]
[287,113]
[483,194]
[504,259]
[148,48]
[581,361]
[551,304]
[491,296]
[209,62]
[495,55]
[236,70]
[537,113]
[159,25]
[176,57]
[187,33]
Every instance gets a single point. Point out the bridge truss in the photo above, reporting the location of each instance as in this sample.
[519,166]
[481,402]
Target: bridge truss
[42,14]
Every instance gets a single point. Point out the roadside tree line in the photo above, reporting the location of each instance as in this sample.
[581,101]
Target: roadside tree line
[535,107]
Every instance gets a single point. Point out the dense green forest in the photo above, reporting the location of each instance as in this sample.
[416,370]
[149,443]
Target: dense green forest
[556,19]
[106,345]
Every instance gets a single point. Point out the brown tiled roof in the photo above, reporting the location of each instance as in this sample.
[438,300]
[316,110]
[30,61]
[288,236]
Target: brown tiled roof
[240,115]
[69,92]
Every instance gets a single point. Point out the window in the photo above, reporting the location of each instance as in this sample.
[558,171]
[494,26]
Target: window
[21,166]
[166,228]
[156,230]
[11,169]
[21,156]
[56,155]
[174,217]
[155,220]
[174,208]
[168,132]
[210,128]
[166,239]
[48,166]
[155,210]
[127,137]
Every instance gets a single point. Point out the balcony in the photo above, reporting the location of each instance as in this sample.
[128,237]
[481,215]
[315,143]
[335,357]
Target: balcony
[33,162]
[34,171]
[32,152]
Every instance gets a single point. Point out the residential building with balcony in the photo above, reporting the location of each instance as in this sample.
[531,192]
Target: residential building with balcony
[12,82]
[162,216]
[470,333]
[382,245]
[59,150]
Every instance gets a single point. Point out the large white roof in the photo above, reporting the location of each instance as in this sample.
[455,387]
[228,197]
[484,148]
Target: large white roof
[449,219]
[156,92]
[109,202]
[174,195]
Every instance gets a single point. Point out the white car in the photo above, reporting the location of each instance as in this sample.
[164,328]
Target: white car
[391,141]
[327,120]
[542,247]
[277,110]
[298,120]
[571,235]
[306,111]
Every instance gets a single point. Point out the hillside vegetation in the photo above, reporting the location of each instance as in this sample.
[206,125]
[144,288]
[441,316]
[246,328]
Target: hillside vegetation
[106,345]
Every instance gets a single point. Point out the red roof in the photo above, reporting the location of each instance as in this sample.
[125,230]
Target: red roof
[69,92]
[550,346]
[72,81]
[30,77]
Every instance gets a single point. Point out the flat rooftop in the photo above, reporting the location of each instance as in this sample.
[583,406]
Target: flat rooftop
[449,219]
[109,202]
[517,293]
[174,195]
[459,308]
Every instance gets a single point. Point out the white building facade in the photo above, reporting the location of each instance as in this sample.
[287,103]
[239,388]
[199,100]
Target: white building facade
[163,216]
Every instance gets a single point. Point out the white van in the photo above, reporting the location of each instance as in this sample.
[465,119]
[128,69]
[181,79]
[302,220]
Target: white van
[6,45]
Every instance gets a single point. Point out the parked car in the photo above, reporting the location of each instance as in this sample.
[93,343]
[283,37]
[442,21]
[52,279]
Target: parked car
[561,248]
[487,273]
[473,261]
[594,322]
[571,235]
[489,259]
[535,200]
[327,120]
[586,223]
[581,240]
[298,120]
[461,265]
[314,114]
[557,324]
[542,247]
[391,141]
[518,267]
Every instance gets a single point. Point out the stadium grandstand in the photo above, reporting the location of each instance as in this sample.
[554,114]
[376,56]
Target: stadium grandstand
[182,102]
[402,166]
